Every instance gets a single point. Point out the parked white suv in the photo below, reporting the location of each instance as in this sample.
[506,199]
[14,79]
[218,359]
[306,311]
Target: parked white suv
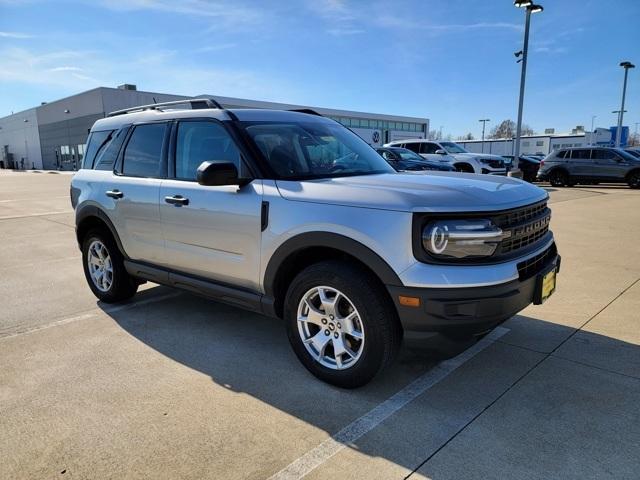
[291,214]
[460,159]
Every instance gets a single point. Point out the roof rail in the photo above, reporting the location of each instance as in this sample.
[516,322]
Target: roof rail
[196,103]
[308,111]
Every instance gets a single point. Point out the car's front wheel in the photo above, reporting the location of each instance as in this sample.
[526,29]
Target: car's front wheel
[104,268]
[341,323]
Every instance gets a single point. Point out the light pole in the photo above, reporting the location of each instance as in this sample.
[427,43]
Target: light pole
[617,112]
[593,117]
[626,66]
[530,8]
[484,121]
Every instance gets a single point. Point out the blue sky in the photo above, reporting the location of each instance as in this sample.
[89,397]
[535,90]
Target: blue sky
[451,61]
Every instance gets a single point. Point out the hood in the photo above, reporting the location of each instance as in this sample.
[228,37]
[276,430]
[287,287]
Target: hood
[437,192]
[478,155]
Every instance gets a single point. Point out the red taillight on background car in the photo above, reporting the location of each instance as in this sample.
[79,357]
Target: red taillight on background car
[541,163]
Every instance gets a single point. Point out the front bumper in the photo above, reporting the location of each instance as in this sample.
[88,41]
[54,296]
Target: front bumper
[471,310]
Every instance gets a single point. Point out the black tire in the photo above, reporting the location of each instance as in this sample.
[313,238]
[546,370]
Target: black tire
[123,286]
[634,180]
[464,168]
[559,178]
[379,321]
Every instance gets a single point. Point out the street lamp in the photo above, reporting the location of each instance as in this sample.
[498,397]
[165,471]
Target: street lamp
[626,66]
[530,8]
[484,121]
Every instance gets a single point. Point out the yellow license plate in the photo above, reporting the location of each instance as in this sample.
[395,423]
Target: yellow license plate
[548,285]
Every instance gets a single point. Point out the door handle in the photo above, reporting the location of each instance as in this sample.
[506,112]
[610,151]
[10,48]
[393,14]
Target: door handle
[114,194]
[177,200]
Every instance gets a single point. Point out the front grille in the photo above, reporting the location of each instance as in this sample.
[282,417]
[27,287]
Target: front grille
[525,225]
[534,265]
[520,215]
[494,163]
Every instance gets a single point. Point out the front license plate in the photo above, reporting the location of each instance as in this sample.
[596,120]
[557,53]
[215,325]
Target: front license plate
[547,285]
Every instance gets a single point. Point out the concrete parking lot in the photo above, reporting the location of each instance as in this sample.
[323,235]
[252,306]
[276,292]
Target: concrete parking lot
[175,386]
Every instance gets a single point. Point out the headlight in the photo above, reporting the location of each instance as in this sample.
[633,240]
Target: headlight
[462,238]
[485,160]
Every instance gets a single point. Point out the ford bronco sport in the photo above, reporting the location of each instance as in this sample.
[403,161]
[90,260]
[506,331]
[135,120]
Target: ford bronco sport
[292,215]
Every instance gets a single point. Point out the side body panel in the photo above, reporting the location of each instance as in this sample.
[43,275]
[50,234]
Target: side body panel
[217,235]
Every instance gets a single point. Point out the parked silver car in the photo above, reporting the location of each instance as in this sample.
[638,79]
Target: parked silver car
[292,215]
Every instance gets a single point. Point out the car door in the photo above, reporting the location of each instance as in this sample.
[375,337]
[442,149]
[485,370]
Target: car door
[428,151]
[610,165]
[134,191]
[210,231]
[581,165]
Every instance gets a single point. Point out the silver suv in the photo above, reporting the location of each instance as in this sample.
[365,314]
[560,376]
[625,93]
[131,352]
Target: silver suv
[291,214]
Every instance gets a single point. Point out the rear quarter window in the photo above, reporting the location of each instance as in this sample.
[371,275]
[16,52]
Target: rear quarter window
[106,158]
[96,143]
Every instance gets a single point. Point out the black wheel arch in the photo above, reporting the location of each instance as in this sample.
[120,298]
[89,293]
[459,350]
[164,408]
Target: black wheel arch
[464,167]
[307,248]
[90,217]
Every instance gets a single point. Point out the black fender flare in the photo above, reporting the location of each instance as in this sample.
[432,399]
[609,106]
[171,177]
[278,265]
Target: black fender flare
[329,240]
[87,211]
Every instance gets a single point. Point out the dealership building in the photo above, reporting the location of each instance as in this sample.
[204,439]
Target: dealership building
[52,135]
[545,144]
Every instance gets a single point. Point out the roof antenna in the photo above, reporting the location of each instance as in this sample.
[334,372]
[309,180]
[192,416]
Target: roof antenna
[154,100]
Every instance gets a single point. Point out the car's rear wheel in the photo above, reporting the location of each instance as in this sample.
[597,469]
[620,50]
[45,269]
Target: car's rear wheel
[634,180]
[341,323]
[104,268]
[558,178]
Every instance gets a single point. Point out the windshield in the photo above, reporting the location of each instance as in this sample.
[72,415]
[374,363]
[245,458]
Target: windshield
[451,147]
[304,150]
[409,155]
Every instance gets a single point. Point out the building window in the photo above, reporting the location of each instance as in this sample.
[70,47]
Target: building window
[525,144]
[539,143]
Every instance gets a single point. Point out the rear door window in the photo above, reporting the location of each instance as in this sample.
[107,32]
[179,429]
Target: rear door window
[143,153]
[581,154]
[414,147]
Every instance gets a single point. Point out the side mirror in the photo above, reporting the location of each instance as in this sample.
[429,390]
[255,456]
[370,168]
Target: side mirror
[218,173]
[440,151]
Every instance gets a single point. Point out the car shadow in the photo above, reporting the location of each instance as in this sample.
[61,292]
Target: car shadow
[249,353]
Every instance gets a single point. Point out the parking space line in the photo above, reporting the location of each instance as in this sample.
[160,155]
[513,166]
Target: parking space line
[356,429]
[13,217]
[91,314]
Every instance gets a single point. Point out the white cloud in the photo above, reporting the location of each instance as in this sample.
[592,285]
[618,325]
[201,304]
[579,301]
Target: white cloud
[164,71]
[226,11]
[344,31]
[348,19]
[16,35]
[65,69]
[216,47]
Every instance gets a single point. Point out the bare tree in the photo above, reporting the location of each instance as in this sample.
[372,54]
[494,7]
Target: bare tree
[467,136]
[507,129]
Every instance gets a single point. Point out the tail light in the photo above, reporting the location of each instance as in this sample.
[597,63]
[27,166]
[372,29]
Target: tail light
[541,163]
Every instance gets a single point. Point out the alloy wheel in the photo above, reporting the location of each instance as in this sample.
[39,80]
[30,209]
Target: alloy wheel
[330,328]
[100,266]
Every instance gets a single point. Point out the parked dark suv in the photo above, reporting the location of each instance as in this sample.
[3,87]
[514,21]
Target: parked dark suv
[568,167]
